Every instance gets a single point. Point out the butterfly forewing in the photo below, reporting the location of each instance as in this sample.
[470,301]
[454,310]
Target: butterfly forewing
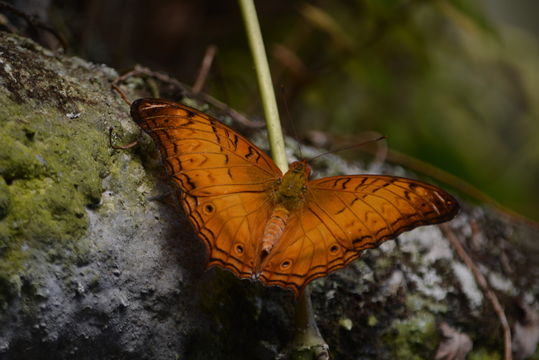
[224,178]
[368,209]
[202,155]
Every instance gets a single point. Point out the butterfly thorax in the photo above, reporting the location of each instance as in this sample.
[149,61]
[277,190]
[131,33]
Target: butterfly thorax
[291,187]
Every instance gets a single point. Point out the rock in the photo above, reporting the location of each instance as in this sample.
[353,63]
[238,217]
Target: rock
[93,266]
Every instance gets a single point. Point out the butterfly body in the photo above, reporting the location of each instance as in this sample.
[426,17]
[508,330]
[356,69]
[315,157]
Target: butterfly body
[287,196]
[282,229]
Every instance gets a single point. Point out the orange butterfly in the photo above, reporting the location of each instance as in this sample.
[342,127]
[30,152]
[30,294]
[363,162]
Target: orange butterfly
[283,230]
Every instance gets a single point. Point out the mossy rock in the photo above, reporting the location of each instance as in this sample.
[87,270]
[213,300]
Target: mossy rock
[93,266]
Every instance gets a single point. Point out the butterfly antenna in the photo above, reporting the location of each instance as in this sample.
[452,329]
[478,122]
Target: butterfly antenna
[289,118]
[350,147]
[205,68]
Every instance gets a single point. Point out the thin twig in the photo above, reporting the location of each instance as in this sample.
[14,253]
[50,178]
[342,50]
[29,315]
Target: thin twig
[457,183]
[204,69]
[34,23]
[483,284]
[140,70]
[124,97]
[120,147]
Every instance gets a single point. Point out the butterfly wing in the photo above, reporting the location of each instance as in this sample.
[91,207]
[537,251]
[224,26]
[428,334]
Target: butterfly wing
[344,215]
[224,178]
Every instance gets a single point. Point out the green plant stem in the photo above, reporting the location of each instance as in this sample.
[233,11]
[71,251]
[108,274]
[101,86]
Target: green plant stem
[308,342]
[271,112]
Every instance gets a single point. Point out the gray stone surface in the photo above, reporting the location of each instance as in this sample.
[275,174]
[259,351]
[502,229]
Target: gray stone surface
[96,261]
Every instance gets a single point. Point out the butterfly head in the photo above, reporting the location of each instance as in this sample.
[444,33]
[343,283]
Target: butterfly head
[300,168]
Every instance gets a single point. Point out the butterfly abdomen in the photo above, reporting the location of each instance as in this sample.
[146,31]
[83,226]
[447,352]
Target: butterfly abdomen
[274,230]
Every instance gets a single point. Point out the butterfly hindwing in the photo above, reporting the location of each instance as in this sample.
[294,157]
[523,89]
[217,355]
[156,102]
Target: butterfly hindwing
[344,215]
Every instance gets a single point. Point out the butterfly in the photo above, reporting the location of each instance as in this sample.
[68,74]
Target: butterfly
[282,229]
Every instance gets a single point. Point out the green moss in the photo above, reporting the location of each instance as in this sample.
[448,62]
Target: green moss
[51,169]
[372,320]
[346,323]
[5,198]
[383,264]
[483,354]
[416,302]
[414,338]
[17,161]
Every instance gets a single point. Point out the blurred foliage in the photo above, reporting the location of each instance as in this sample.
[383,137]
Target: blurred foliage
[443,81]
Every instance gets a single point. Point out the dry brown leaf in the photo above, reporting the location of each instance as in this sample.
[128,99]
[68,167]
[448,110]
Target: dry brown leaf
[455,346]
[526,333]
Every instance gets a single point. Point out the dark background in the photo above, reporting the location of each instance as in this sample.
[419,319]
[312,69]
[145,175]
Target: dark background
[454,83]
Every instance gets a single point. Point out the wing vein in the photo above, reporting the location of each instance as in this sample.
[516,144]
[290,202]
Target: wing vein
[225,150]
